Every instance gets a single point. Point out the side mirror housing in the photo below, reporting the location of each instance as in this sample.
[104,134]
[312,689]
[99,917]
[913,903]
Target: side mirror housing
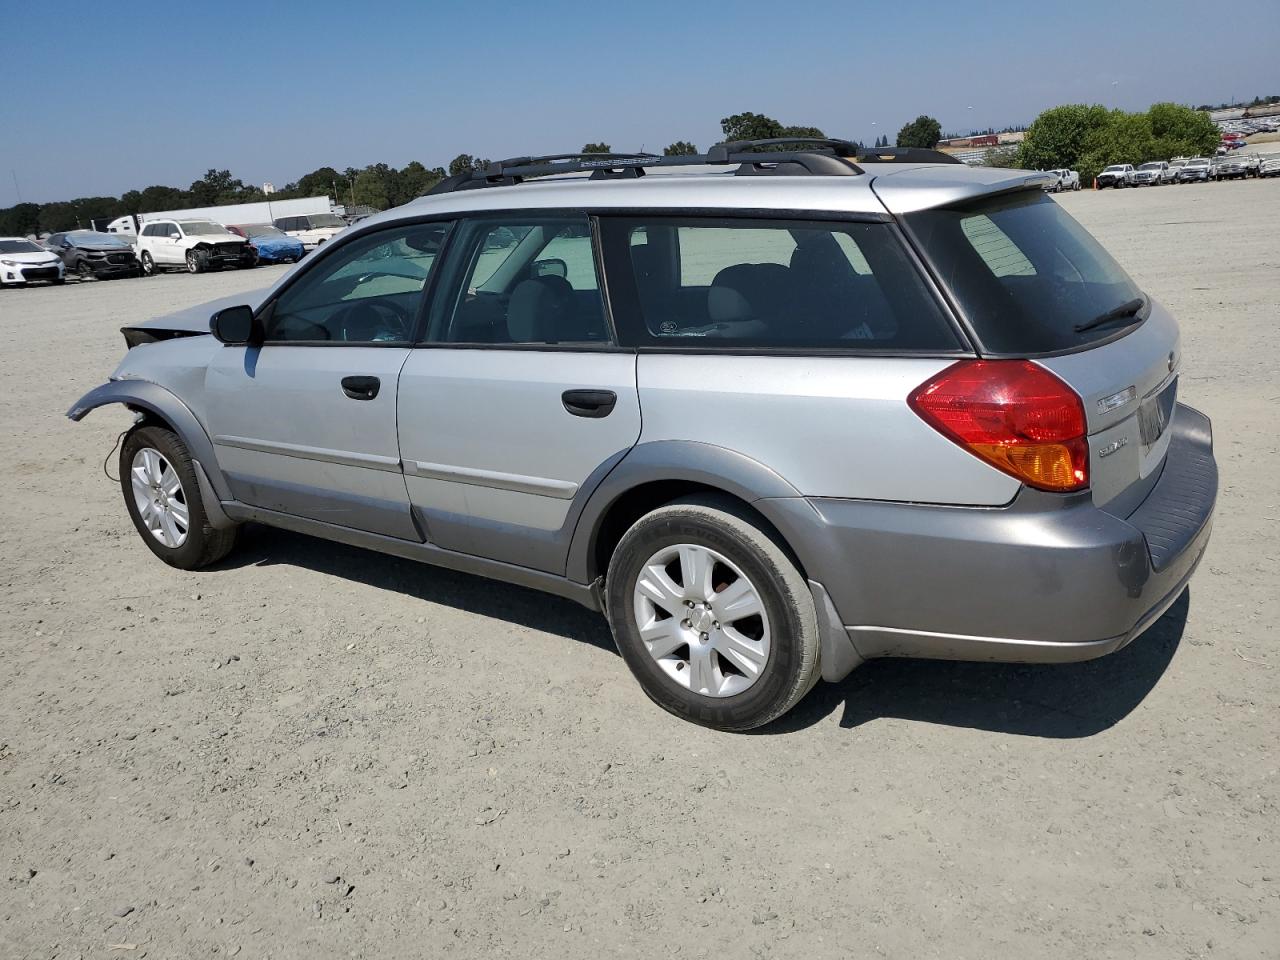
[236,325]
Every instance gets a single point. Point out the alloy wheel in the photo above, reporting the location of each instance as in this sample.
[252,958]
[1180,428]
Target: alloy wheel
[702,620]
[159,497]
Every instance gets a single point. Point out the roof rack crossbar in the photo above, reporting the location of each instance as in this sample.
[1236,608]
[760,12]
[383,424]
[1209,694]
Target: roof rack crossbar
[814,156]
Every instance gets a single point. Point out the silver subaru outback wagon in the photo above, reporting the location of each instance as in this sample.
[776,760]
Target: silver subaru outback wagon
[774,410]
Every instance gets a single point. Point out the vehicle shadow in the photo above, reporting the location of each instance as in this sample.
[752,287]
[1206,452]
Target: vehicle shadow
[1059,701]
[265,547]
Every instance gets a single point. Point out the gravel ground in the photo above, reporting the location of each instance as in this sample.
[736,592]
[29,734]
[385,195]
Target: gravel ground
[314,751]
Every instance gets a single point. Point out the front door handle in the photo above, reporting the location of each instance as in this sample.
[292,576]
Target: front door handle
[361,388]
[589,403]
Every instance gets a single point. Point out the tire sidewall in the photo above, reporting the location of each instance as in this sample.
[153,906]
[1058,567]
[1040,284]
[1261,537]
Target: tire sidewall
[189,555]
[742,711]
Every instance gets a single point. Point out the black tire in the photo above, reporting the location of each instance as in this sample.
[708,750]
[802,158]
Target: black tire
[84,271]
[203,544]
[197,261]
[148,266]
[720,524]
[59,281]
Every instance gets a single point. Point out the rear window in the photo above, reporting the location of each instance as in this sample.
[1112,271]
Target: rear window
[1024,272]
[789,284]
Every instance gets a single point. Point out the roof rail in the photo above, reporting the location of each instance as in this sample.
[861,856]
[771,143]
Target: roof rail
[814,156]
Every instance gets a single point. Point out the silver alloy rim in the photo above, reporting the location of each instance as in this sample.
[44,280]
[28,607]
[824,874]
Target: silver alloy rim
[159,497]
[702,621]
[191,261]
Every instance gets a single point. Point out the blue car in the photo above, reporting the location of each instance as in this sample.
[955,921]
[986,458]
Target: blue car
[273,245]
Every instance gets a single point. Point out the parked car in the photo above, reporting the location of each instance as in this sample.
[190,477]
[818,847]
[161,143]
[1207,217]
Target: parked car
[94,256]
[1269,167]
[273,244]
[1116,175]
[193,245]
[967,446]
[1063,180]
[1230,168]
[1151,174]
[313,229]
[24,261]
[1175,168]
[1196,169]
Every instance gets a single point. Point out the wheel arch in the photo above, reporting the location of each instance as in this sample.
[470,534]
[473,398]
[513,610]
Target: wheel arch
[158,405]
[656,473]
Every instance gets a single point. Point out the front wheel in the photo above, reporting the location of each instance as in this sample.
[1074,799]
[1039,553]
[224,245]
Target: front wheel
[711,615]
[148,265]
[84,271]
[197,261]
[162,496]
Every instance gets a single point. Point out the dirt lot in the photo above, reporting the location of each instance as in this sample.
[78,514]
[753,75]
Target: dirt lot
[318,752]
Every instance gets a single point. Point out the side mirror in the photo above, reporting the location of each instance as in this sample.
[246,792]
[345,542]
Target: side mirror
[552,267]
[236,325]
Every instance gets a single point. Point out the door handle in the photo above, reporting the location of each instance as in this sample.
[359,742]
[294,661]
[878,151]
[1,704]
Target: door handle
[361,388]
[589,403]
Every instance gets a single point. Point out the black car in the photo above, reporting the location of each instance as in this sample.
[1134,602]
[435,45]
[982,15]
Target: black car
[95,256]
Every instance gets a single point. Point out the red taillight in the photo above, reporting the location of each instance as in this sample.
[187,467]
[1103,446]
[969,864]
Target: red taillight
[1013,414]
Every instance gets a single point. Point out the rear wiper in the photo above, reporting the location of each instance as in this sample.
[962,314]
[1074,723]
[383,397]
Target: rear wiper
[1129,308]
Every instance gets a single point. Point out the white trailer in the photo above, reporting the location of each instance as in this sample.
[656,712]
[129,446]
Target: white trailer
[260,211]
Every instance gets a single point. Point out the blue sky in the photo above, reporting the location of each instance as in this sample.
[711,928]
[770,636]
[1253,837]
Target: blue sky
[106,97]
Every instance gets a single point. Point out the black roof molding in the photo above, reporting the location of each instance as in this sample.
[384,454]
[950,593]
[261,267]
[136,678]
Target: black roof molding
[821,157]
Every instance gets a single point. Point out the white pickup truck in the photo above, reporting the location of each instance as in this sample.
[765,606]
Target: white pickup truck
[191,245]
[1063,179]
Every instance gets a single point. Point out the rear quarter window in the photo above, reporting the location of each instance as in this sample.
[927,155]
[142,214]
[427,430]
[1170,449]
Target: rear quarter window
[737,283]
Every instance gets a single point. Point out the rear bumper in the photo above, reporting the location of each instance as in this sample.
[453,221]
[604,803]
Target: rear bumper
[1046,579]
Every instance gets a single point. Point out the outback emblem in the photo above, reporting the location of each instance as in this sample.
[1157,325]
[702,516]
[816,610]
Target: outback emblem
[1108,449]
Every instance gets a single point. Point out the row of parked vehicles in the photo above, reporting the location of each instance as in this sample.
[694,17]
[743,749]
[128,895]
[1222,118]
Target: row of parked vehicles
[1189,170]
[190,244]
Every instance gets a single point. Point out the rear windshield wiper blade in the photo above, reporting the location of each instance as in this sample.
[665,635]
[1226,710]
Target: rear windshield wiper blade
[1130,308]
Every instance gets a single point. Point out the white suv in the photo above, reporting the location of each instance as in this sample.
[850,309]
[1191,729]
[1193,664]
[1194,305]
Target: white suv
[313,229]
[193,245]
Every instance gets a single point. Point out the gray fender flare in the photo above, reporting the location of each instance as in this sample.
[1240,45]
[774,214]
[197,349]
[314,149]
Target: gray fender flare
[745,478]
[145,395]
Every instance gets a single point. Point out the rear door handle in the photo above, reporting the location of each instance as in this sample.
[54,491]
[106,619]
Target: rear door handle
[361,388]
[589,403]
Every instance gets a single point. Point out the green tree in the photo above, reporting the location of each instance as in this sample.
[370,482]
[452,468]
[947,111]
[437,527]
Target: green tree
[157,197]
[596,148]
[1058,136]
[321,182]
[1181,131]
[216,186]
[1001,157]
[681,148]
[413,181]
[370,190]
[756,126]
[465,163]
[923,131]
[20,220]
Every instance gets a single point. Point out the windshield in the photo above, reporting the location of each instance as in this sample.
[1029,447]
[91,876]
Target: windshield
[20,246]
[1150,166]
[262,230]
[1117,168]
[1197,163]
[1023,271]
[202,228]
[326,220]
[91,238]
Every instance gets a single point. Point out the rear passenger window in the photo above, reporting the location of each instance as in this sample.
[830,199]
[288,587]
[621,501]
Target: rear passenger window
[526,282]
[768,283]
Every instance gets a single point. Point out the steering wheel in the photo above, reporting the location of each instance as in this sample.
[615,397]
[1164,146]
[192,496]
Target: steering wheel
[372,320]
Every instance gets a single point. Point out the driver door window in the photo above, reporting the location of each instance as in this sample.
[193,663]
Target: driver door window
[367,291]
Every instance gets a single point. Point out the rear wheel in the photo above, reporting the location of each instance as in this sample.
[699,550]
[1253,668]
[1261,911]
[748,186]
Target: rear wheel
[712,616]
[162,496]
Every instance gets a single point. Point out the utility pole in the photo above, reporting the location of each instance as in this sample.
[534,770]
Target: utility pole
[15,183]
